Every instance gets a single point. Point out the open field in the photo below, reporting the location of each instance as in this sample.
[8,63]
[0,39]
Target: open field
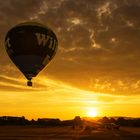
[66,133]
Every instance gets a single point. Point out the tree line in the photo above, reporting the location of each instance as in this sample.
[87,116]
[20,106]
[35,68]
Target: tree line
[10,120]
[122,121]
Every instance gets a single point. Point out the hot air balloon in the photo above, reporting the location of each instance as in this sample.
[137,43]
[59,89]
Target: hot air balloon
[31,46]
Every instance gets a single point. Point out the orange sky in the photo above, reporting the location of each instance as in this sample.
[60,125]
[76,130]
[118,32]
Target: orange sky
[97,64]
[59,100]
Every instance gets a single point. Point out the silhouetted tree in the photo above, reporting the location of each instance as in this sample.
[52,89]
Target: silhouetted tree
[104,120]
[77,122]
[122,121]
[112,120]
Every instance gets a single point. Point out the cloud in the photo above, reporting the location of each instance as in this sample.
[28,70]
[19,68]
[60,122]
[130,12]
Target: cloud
[97,40]
[50,98]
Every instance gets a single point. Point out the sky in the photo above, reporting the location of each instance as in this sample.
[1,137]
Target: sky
[96,67]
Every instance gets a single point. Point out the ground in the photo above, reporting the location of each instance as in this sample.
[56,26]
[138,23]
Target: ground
[66,133]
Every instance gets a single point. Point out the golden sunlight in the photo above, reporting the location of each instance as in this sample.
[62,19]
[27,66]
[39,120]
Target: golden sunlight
[92,112]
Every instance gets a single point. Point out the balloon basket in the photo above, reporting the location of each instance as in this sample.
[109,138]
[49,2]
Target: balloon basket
[29,83]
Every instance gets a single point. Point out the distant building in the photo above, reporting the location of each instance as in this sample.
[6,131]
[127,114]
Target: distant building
[10,120]
[48,121]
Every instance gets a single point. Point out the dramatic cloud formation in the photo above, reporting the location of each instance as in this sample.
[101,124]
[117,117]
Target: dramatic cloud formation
[98,40]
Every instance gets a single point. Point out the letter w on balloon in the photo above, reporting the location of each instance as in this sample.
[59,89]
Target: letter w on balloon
[43,39]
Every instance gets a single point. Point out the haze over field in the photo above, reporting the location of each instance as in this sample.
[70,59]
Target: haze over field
[96,68]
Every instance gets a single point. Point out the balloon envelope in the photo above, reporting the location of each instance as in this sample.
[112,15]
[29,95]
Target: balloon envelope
[31,46]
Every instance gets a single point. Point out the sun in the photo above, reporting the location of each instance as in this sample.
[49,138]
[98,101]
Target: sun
[92,112]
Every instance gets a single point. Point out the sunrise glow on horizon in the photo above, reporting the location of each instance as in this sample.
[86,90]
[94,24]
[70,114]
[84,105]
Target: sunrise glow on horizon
[63,101]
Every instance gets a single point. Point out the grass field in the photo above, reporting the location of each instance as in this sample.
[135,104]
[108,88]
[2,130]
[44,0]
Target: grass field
[66,133]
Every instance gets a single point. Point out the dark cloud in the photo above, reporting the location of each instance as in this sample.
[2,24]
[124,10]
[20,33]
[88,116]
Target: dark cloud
[98,40]
[12,10]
